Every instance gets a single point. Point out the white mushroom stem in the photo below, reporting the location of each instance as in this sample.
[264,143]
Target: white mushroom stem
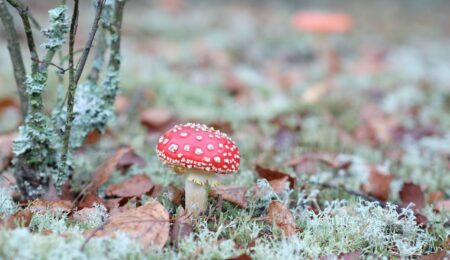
[196,190]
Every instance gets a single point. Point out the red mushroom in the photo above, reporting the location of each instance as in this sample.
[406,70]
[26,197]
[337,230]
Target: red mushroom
[324,23]
[201,152]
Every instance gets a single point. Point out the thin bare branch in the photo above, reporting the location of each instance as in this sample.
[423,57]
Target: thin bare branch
[15,55]
[90,40]
[72,83]
[23,12]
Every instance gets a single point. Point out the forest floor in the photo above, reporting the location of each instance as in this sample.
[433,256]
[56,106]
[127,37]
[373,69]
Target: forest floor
[344,160]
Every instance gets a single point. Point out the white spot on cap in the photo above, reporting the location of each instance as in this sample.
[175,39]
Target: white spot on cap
[198,151]
[220,145]
[165,141]
[161,139]
[199,137]
[183,134]
[180,155]
[217,159]
[226,160]
[210,147]
[206,159]
[173,148]
[187,148]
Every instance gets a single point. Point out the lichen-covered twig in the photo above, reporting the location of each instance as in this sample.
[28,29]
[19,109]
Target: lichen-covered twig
[72,83]
[23,12]
[15,54]
[75,73]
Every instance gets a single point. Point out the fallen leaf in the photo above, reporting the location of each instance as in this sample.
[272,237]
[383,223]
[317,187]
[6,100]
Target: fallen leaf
[280,185]
[435,196]
[95,135]
[129,159]
[89,200]
[41,205]
[182,227]
[233,194]
[20,219]
[157,118]
[343,256]
[134,186]
[149,224]
[441,255]
[83,214]
[121,104]
[174,194]
[282,217]
[104,171]
[335,162]
[442,205]
[270,174]
[240,257]
[6,152]
[412,193]
[378,184]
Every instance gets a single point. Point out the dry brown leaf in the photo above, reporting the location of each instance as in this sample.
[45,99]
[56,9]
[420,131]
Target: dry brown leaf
[442,205]
[441,255]
[95,135]
[435,196]
[149,224]
[182,227]
[270,174]
[174,194]
[379,183]
[6,153]
[280,185]
[83,214]
[121,104]
[333,161]
[343,256]
[89,200]
[104,171]
[20,219]
[240,257]
[233,194]
[412,193]
[129,159]
[41,205]
[134,186]
[282,217]
[156,118]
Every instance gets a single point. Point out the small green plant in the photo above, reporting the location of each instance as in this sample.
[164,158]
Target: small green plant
[43,147]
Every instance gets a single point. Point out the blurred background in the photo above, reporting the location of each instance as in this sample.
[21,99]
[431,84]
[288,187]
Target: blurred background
[377,87]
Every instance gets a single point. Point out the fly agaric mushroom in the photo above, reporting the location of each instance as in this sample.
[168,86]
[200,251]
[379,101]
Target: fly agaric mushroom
[323,23]
[202,153]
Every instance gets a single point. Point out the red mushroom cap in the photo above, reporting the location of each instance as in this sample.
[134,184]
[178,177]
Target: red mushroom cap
[198,146]
[322,22]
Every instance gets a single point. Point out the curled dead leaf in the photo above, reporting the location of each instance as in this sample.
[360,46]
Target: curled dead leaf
[104,171]
[21,218]
[379,183]
[280,185]
[282,217]
[134,186]
[240,257]
[129,159]
[270,174]
[233,194]
[149,224]
[174,194]
[41,205]
[412,193]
